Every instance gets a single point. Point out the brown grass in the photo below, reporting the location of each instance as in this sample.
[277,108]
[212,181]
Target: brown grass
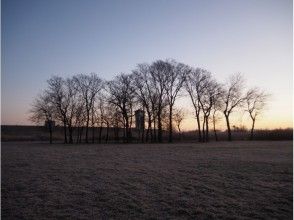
[238,180]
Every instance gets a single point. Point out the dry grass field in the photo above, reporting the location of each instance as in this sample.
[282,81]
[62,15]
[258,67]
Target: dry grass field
[238,180]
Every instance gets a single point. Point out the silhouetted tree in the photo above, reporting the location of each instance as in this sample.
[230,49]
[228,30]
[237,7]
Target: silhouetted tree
[195,86]
[57,96]
[43,110]
[144,93]
[178,118]
[159,71]
[175,78]
[73,108]
[256,100]
[79,120]
[89,86]
[212,90]
[107,116]
[78,102]
[116,120]
[216,108]
[232,98]
[122,95]
[103,118]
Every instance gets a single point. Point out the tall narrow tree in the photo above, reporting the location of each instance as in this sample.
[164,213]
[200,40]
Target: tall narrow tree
[216,110]
[212,90]
[256,100]
[122,95]
[42,110]
[178,118]
[176,76]
[57,93]
[195,85]
[232,98]
[144,92]
[159,71]
[89,86]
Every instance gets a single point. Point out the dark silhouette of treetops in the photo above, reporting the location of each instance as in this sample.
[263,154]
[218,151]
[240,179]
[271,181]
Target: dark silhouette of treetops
[85,101]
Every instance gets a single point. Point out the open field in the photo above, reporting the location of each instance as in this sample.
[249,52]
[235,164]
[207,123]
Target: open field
[238,180]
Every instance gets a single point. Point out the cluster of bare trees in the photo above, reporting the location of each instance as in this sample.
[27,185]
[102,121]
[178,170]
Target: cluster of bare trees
[85,101]
[71,102]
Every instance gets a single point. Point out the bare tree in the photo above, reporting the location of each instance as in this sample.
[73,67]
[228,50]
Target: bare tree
[256,100]
[159,71]
[89,86]
[107,116]
[122,95]
[72,98]
[211,91]
[165,119]
[144,93]
[79,120]
[95,120]
[178,117]
[195,85]
[216,109]
[176,76]
[43,110]
[232,98]
[104,114]
[116,120]
[57,96]
[77,103]
[205,100]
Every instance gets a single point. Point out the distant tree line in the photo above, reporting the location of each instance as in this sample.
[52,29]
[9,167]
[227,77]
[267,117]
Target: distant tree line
[85,101]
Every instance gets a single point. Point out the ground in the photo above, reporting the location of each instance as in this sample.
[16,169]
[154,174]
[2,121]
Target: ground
[238,180]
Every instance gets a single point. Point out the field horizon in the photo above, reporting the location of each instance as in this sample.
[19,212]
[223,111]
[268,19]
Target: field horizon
[14,133]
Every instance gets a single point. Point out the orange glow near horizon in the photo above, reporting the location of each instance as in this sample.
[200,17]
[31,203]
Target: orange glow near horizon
[190,124]
[266,121]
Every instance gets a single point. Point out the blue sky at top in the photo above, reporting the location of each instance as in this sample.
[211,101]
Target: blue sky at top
[41,38]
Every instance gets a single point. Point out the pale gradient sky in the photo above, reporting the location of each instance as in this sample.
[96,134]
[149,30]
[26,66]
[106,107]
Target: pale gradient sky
[42,38]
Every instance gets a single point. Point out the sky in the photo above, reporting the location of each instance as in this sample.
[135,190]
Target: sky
[41,38]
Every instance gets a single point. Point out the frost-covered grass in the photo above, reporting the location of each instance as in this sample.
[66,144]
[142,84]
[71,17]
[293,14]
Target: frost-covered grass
[238,180]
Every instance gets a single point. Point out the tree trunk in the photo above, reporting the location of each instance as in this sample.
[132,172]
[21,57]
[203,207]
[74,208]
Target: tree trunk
[207,130]
[159,127]
[107,132]
[170,138]
[252,129]
[93,134]
[199,128]
[229,128]
[203,130]
[143,134]
[124,130]
[70,131]
[100,133]
[214,130]
[87,126]
[127,129]
[93,123]
[78,135]
[180,133]
[50,132]
[148,132]
[116,133]
[64,130]
[81,134]
[154,130]
[130,135]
